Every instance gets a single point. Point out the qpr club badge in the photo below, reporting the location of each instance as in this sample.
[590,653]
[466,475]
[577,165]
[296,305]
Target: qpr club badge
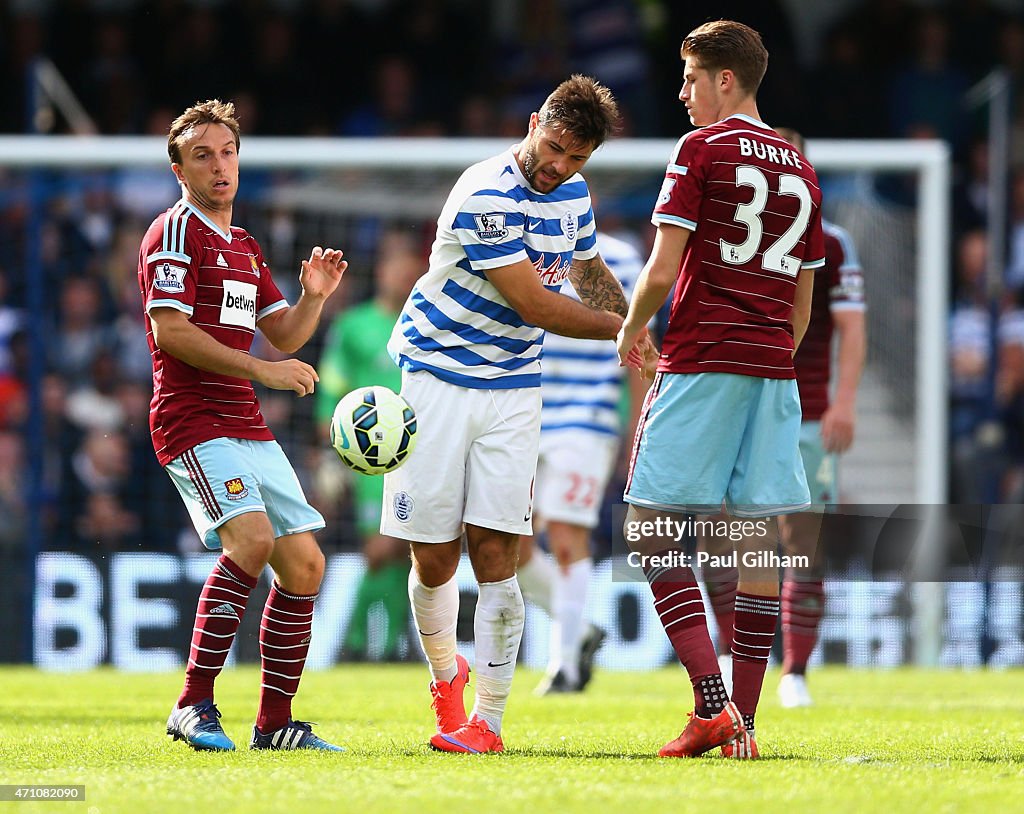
[403,505]
[569,224]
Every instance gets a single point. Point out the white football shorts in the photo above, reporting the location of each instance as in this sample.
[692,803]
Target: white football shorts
[572,473]
[474,462]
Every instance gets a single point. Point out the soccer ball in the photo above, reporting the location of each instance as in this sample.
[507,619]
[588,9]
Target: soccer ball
[373,430]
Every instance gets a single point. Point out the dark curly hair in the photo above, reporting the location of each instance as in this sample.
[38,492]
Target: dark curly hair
[582,106]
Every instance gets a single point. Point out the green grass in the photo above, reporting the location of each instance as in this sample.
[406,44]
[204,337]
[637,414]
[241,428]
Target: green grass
[901,741]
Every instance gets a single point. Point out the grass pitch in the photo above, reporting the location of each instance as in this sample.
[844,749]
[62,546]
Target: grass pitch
[902,741]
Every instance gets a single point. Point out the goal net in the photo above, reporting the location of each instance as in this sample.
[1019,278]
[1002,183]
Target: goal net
[72,213]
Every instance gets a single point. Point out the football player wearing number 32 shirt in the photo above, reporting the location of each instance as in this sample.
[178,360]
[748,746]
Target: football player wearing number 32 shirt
[739,224]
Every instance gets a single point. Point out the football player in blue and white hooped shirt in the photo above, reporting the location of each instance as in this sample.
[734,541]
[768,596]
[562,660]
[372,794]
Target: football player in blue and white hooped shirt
[579,442]
[469,343]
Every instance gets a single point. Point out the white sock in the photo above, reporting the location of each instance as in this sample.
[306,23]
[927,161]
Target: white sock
[498,628]
[435,611]
[537,580]
[569,625]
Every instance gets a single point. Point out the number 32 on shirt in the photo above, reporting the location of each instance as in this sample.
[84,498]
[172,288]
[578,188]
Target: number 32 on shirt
[776,256]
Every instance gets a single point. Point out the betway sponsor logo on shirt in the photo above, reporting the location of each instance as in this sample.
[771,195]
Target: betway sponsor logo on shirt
[239,304]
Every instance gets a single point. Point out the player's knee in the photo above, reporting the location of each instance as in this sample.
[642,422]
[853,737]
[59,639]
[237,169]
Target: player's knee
[252,551]
[566,555]
[303,571]
[262,546]
[432,574]
[495,558]
[569,542]
[801,541]
[435,564]
[526,544]
[307,568]
[312,565]
[632,531]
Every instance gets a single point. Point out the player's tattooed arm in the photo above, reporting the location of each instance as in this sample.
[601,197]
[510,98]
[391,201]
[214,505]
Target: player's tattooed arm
[597,286]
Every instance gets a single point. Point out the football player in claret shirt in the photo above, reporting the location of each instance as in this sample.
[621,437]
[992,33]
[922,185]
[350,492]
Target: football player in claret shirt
[827,430]
[739,223]
[206,288]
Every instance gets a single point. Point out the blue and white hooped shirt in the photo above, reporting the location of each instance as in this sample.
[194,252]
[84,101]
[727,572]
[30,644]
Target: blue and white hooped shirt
[456,325]
[582,381]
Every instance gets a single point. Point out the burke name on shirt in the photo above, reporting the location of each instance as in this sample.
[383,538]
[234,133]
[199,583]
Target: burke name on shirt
[769,152]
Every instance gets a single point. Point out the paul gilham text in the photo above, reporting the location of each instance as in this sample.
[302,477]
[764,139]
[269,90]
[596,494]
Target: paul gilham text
[732,559]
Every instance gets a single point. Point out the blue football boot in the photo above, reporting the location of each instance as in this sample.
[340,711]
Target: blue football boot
[198,726]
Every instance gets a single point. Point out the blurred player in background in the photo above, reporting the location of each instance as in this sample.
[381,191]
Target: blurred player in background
[581,388]
[722,419]
[206,288]
[469,342]
[355,355]
[827,430]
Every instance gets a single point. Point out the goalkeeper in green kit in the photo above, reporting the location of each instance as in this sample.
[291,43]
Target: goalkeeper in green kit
[355,355]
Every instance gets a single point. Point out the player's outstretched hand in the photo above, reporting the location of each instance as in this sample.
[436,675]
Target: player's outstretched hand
[321,274]
[651,357]
[624,345]
[637,352]
[290,374]
[837,428]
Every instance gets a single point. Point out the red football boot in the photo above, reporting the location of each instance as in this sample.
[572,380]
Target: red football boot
[474,738]
[703,734]
[448,704]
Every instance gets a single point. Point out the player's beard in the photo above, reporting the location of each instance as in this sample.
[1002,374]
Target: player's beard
[531,167]
[529,158]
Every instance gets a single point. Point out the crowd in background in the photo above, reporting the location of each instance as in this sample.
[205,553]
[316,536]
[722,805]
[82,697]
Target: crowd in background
[884,68]
[476,67]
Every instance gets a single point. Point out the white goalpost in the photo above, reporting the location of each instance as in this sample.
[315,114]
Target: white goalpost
[356,160]
[900,456]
